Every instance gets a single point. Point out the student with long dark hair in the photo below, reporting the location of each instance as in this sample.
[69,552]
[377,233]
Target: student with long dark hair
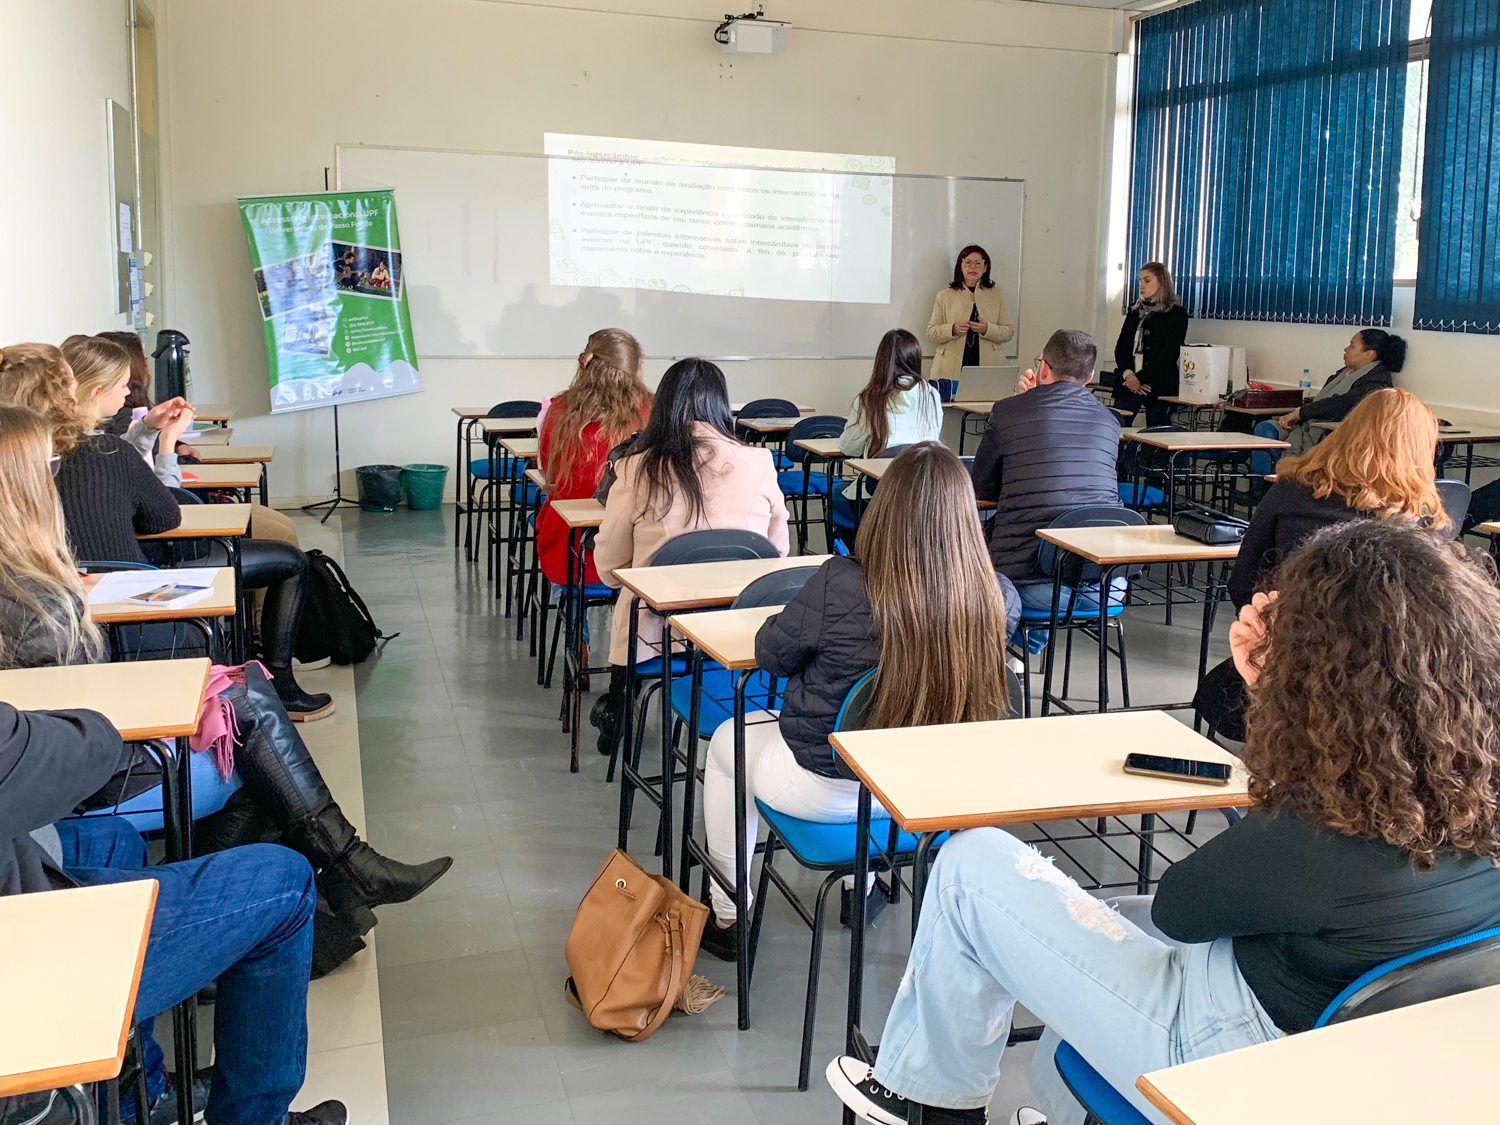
[689,472]
[919,600]
[1374,769]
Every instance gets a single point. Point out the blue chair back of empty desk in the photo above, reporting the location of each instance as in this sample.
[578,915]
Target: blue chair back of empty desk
[714,544]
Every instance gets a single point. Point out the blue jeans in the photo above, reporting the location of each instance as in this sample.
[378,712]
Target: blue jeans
[1264,461]
[1038,595]
[242,917]
[1001,924]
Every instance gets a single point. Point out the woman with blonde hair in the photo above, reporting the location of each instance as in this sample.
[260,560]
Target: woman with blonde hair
[43,622]
[98,367]
[1377,465]
[919,600]
[42,619]
[604,405]
[109,496]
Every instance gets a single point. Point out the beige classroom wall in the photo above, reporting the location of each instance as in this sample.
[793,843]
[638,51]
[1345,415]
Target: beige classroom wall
[257,96]
[64,59]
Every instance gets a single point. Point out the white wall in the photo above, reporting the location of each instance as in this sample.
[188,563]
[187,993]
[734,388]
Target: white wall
[1457,375]
[63,58]
[257,96]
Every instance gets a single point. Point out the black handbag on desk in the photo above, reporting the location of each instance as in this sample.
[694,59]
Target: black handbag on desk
[1209,526]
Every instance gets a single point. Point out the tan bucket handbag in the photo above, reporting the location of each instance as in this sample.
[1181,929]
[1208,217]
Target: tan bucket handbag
[631,951]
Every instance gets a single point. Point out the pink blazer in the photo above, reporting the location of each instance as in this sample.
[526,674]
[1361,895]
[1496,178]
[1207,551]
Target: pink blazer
[739,491]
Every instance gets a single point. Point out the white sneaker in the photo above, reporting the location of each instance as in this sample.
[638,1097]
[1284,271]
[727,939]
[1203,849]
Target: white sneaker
[854,1082]
[311,667]
[1015,664]
[1028,1116]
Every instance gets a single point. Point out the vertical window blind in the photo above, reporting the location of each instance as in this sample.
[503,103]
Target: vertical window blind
[1267,156]
[1458,245]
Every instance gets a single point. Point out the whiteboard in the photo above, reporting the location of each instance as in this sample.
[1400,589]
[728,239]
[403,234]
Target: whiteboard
[474,239]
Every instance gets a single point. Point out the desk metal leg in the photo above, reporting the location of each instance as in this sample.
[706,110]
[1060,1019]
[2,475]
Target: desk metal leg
[857,921]
[1052,635]
[1211,595]
[690,769]
[919,877]
[741,860]
[458,477]
[668,759]
[1144,857]
[573,643]
[1171,514]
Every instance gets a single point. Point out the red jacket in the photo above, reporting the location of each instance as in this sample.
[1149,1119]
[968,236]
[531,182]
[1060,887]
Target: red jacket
[578,482]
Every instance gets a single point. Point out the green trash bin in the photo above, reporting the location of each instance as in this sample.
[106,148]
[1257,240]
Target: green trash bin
[379,487]
[423,485]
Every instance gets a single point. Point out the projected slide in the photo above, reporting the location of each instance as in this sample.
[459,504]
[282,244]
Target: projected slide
[714,219]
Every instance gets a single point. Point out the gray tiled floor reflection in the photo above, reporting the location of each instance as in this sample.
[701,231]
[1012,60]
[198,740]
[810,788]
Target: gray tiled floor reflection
[463,755]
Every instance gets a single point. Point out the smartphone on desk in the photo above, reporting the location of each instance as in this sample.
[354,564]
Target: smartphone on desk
[1178,769]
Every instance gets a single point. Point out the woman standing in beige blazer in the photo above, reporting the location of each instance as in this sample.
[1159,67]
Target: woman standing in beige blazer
[969,321]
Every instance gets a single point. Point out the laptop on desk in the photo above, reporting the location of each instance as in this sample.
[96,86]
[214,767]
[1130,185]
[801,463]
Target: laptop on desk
[987,384]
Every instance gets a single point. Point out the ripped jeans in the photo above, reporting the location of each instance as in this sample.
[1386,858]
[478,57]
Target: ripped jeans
[1001,924]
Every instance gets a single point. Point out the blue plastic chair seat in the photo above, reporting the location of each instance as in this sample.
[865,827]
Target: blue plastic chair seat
[210,792]
[652,667]
[480,467]
[783,461]
[791,482]
[1146,496]
[1044,616]
[525,493]
[716,705]
[1098,1096]
[830,845]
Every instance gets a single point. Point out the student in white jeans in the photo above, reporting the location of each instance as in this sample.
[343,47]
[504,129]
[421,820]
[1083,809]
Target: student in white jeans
[921,574]
[773,775]
[1254,934]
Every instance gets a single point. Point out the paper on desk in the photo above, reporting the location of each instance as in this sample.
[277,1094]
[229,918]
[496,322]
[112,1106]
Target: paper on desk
[120,585]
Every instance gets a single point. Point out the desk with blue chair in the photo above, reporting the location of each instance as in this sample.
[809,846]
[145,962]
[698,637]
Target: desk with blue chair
[579,516]
[1021,771]
[665,590]
[499,471]
[1093,553]
[521,498]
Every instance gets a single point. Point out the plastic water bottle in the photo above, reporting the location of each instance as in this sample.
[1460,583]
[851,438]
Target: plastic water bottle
[1305,383]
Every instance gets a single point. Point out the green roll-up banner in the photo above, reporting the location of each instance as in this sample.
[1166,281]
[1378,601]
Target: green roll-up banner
[327,268]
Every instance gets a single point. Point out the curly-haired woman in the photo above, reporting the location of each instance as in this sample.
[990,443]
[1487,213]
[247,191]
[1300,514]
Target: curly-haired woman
[1375,832]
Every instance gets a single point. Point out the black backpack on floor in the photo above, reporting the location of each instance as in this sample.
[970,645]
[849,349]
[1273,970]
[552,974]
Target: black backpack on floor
[336,623]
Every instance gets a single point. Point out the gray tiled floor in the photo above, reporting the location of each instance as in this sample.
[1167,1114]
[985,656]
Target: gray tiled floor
[463,755]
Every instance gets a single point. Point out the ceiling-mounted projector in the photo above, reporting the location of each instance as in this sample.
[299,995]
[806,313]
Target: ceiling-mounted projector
[751,33]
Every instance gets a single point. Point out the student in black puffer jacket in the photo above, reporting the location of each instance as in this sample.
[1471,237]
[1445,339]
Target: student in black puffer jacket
[919,578]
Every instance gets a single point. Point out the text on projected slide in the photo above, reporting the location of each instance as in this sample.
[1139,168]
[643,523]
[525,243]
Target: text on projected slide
[736,222]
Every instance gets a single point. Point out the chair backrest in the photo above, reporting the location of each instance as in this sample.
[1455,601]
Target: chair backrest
[892,451]
[763,408]
[515,408]
[110,566]
[1455,495]
[1136,457]
[185,496]
[768,408]
[813,426]
[1087,515]
[714,544]
[1461,964]
[776,588]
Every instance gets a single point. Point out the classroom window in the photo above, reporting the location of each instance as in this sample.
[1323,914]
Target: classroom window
[1267,154]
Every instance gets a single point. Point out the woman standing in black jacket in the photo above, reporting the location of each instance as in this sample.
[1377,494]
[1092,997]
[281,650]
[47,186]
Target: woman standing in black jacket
[1146,351]
[920,600]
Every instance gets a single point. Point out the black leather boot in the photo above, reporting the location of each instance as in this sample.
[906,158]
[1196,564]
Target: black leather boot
[301,706]
[283,778]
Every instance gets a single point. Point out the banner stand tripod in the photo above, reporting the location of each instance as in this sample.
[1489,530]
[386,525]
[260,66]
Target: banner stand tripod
[338,497]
